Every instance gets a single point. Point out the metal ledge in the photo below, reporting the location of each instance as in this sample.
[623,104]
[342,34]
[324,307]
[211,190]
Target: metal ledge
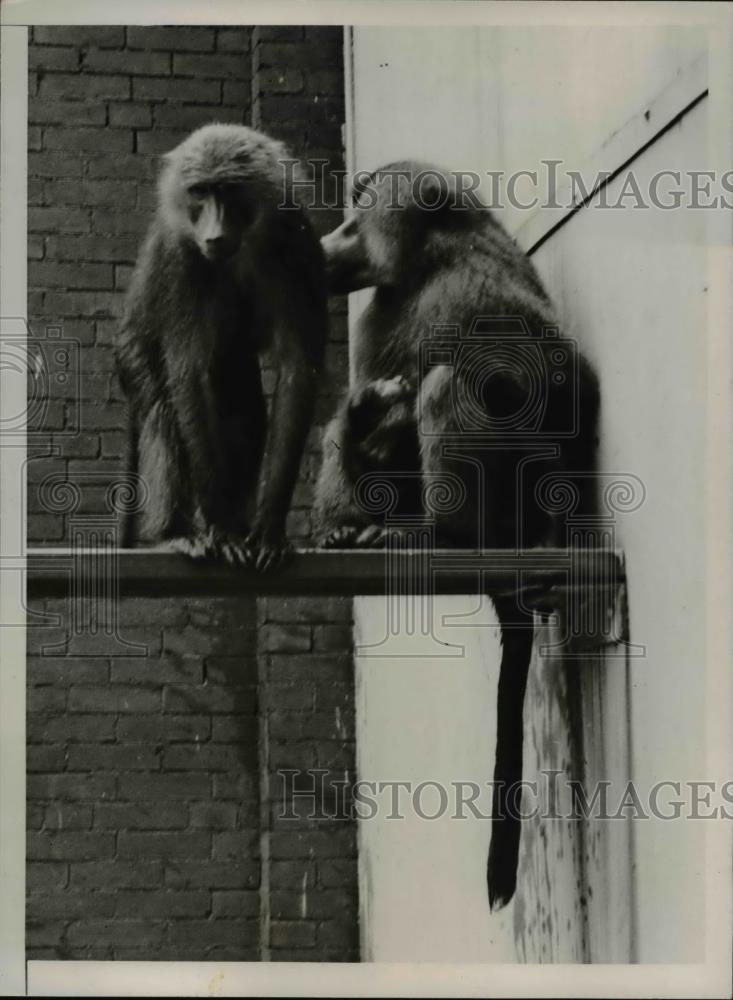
[311,572]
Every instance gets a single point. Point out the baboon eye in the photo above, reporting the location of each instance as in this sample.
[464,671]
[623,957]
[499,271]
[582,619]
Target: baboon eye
[350,227]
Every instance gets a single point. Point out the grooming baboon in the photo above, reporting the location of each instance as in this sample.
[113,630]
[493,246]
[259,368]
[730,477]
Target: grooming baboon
[223,276]
[502,399]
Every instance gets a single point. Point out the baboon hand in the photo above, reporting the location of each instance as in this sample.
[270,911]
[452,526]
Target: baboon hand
[266,548]
[340,538]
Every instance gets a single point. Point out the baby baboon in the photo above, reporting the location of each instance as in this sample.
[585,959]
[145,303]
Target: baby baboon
[373,434]
[502,399]
[223,275]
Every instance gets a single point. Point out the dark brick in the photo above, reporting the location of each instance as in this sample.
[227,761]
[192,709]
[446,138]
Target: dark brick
[192,116]
[69,846]
[176,89]
[80,36]
[325,81]
[46,528]
[280,80]
[291,874]
[121,194]
[340,934]
[203,642]
[130,115]
[208,699]
[296,754]
[235,903]
[238,671]
[71,787]
[33,816]
[201,66]
[80,729]
[205,612]
[233,39]
[285,638]
[88,140]
[45,758]
[273,55]
[134,63]
[108,757]
[333,842]
[313,904]
[310,725]
[43,111]
[204,757]
[164,786]
[131,844]
[115,933]
[53,58]
[141,874]
[141,816]
[113,445]
[332,638]
[200,933]
[84,87]
[213,815]
[324,36]
[83,445]
[58,220]
[41,932]
[118,223]
[233,846]
[65,816]
[46,699]
[317,669]
[236,94]
[46,876]
[70,905]
[280,33]
[335,873]
[299,697]
[178,38]
[162,904]
[292,934]
[307,609]
[243,874]
[113,699]
[138,670]
[82,303]
[164,729]
[237,729]
[92,247]
[235,786]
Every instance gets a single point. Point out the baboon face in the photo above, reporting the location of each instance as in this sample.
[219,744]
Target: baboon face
[348,263]
[219,214]
[383,238]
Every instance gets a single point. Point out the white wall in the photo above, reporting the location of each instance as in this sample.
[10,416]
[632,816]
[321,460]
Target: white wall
[631,286]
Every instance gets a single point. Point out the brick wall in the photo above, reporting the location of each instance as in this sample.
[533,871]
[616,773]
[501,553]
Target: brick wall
[152,785]
[309,866]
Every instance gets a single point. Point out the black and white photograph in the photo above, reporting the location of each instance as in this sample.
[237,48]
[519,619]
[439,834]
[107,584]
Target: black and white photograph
[365,508]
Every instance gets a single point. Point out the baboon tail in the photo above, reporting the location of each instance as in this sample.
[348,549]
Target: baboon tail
[516,637]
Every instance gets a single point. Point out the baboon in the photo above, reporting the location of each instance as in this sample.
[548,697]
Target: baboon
[374,433]
[223,276]
[502,400]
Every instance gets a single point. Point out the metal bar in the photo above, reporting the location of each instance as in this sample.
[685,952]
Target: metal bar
[156,572]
